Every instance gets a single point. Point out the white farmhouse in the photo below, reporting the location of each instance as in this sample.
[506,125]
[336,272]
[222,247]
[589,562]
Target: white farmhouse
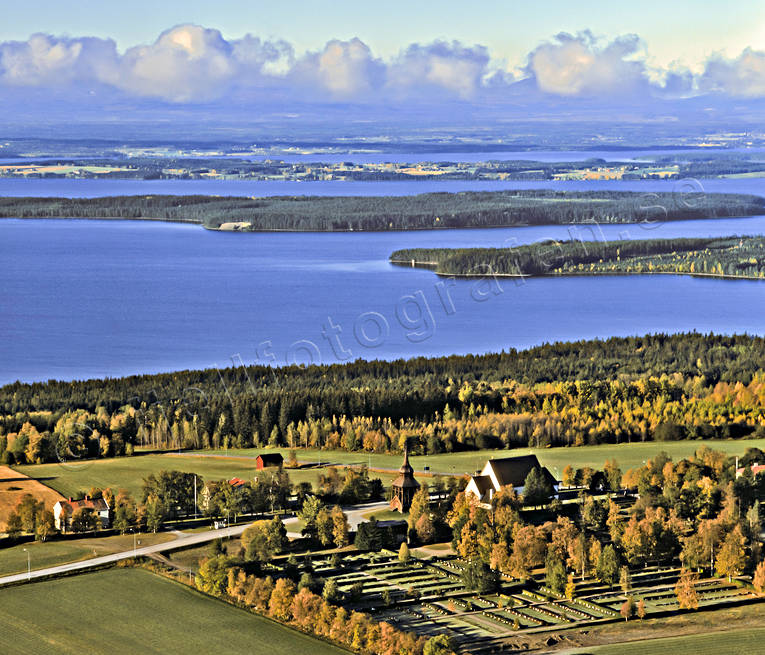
[63,511]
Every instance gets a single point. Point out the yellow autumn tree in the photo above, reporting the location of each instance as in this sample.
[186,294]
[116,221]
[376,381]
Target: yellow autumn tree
[685,590]
[731,559]
[759,578]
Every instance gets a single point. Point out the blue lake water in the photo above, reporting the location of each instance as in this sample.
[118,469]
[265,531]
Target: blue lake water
[496,155]
[81,299]
[97,188]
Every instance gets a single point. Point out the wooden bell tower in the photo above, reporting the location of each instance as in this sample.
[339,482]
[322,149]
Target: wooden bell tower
[404,486]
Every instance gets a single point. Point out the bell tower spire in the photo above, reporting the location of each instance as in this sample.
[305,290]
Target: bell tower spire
[404,486]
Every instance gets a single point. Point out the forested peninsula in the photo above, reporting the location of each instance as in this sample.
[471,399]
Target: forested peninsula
[731,257]
[377,213]
[658,387]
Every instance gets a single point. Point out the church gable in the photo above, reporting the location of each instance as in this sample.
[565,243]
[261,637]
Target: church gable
[508,471]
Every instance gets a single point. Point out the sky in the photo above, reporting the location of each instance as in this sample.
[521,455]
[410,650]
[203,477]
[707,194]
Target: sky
[683,30]
[566,58]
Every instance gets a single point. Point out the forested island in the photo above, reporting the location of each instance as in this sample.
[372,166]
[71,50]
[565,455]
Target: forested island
[658,387]
[733,257]
[376,213]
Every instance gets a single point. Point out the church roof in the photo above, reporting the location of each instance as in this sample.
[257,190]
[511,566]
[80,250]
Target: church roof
[406,479]
[513,470]
[483,484]
[406,467]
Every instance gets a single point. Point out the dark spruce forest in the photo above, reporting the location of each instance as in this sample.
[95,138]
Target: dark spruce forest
[369,213]
[684,386]
[728,257]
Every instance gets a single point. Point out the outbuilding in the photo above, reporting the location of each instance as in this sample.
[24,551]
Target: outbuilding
[268,460]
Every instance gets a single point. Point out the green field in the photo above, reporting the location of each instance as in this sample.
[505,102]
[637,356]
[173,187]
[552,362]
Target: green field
[628,455]
[133,611]
[715,643]
[52,553]
[128,472]
[387,515]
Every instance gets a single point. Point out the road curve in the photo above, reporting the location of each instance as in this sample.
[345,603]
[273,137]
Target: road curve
[355,516]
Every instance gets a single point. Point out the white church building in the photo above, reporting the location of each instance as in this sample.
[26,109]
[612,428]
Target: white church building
[498,473]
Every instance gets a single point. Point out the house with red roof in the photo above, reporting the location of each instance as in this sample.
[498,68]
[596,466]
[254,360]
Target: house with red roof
[756,469]
[215,486]
[63,511]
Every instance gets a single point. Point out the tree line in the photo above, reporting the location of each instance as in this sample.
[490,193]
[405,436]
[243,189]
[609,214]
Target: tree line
[627,389]
[734,256]
[424,211]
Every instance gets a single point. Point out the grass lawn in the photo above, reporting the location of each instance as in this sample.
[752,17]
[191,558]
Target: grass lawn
[628,455]
[386,515]
[128,472]
[734,641]
[190,557]
[133,611]
[444,548]
[52,553]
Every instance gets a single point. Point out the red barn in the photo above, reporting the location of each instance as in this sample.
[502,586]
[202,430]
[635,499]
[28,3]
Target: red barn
[268,460]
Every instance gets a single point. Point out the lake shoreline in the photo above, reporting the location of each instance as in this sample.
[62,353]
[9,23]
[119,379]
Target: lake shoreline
[430,265]
[435,228]
[153,219]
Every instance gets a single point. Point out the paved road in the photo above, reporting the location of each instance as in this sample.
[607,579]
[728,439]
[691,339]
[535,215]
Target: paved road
[355,516]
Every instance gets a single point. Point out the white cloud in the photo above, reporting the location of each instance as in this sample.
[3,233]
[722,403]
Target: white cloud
[268,57]
[579,66]
[346,70]
[742,77]
[190,64]
[186,63]
[48,60]
[452,67]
